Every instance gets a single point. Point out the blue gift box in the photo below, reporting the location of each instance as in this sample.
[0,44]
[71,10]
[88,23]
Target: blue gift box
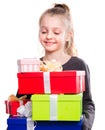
[55,125]
[20,123]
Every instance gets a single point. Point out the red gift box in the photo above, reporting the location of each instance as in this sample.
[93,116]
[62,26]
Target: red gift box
[11,106]
[51,82]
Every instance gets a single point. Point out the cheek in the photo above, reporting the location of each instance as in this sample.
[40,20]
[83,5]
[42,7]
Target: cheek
[40,37]
[63,39]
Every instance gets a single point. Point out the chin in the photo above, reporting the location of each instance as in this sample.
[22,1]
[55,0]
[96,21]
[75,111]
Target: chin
[51,49]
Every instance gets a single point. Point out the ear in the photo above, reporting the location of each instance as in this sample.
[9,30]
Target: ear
[69,34]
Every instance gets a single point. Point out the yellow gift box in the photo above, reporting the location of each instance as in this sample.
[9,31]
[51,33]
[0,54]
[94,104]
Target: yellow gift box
[57,107]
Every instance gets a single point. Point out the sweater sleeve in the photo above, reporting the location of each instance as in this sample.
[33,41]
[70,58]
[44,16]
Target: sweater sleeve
[88,104]
[19,95]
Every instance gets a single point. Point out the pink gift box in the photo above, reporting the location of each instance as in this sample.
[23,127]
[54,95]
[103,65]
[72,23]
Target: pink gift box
[28,65]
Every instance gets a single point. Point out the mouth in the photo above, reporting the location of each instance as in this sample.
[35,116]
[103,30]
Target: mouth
[50,43]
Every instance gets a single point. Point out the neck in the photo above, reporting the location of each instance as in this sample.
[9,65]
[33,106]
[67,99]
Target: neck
[60,57]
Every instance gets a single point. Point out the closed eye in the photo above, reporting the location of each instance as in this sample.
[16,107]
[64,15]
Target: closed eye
[56,33]
[43,32]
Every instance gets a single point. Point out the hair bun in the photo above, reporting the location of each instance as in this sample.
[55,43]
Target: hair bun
[58,5]
[63,6]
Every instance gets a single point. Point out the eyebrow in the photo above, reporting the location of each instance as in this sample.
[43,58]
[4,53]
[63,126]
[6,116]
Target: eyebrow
[45,27]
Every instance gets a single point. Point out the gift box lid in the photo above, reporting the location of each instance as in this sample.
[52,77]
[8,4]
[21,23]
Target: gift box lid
[55,74]
[61,97]
[59,123]
[62,125]
[20,123]
[16,120]
[28,61]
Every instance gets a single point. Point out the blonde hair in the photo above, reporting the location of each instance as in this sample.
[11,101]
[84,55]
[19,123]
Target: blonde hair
[63,10]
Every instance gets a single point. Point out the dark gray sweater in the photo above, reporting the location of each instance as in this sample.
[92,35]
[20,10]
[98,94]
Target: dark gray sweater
[76,63]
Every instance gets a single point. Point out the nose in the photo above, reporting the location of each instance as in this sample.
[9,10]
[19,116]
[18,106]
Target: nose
[49,35]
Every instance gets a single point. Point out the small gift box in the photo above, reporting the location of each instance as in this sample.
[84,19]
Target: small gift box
[12,106]
[59,125]
[56,107]
[51,82]
[20,123]
[28,65]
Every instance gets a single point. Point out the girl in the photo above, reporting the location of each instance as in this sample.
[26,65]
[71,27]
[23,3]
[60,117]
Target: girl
[56,35]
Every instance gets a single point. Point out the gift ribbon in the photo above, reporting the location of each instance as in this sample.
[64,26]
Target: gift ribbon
[81,85]
[30,124]
[25,110]
[53,107]
[47,85]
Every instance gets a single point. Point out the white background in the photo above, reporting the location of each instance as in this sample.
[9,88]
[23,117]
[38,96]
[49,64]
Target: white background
[19,39]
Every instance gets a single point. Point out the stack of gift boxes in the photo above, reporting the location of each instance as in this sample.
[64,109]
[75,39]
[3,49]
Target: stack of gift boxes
[56,98]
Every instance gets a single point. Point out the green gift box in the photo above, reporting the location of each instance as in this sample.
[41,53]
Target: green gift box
[57,107]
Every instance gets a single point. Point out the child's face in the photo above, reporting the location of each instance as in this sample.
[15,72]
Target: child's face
[52,33]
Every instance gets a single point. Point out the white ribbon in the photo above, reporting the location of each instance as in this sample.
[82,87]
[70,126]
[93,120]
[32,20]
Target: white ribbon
[53,107]
[47,86]
[25,110]
[30,124]
[81,81]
